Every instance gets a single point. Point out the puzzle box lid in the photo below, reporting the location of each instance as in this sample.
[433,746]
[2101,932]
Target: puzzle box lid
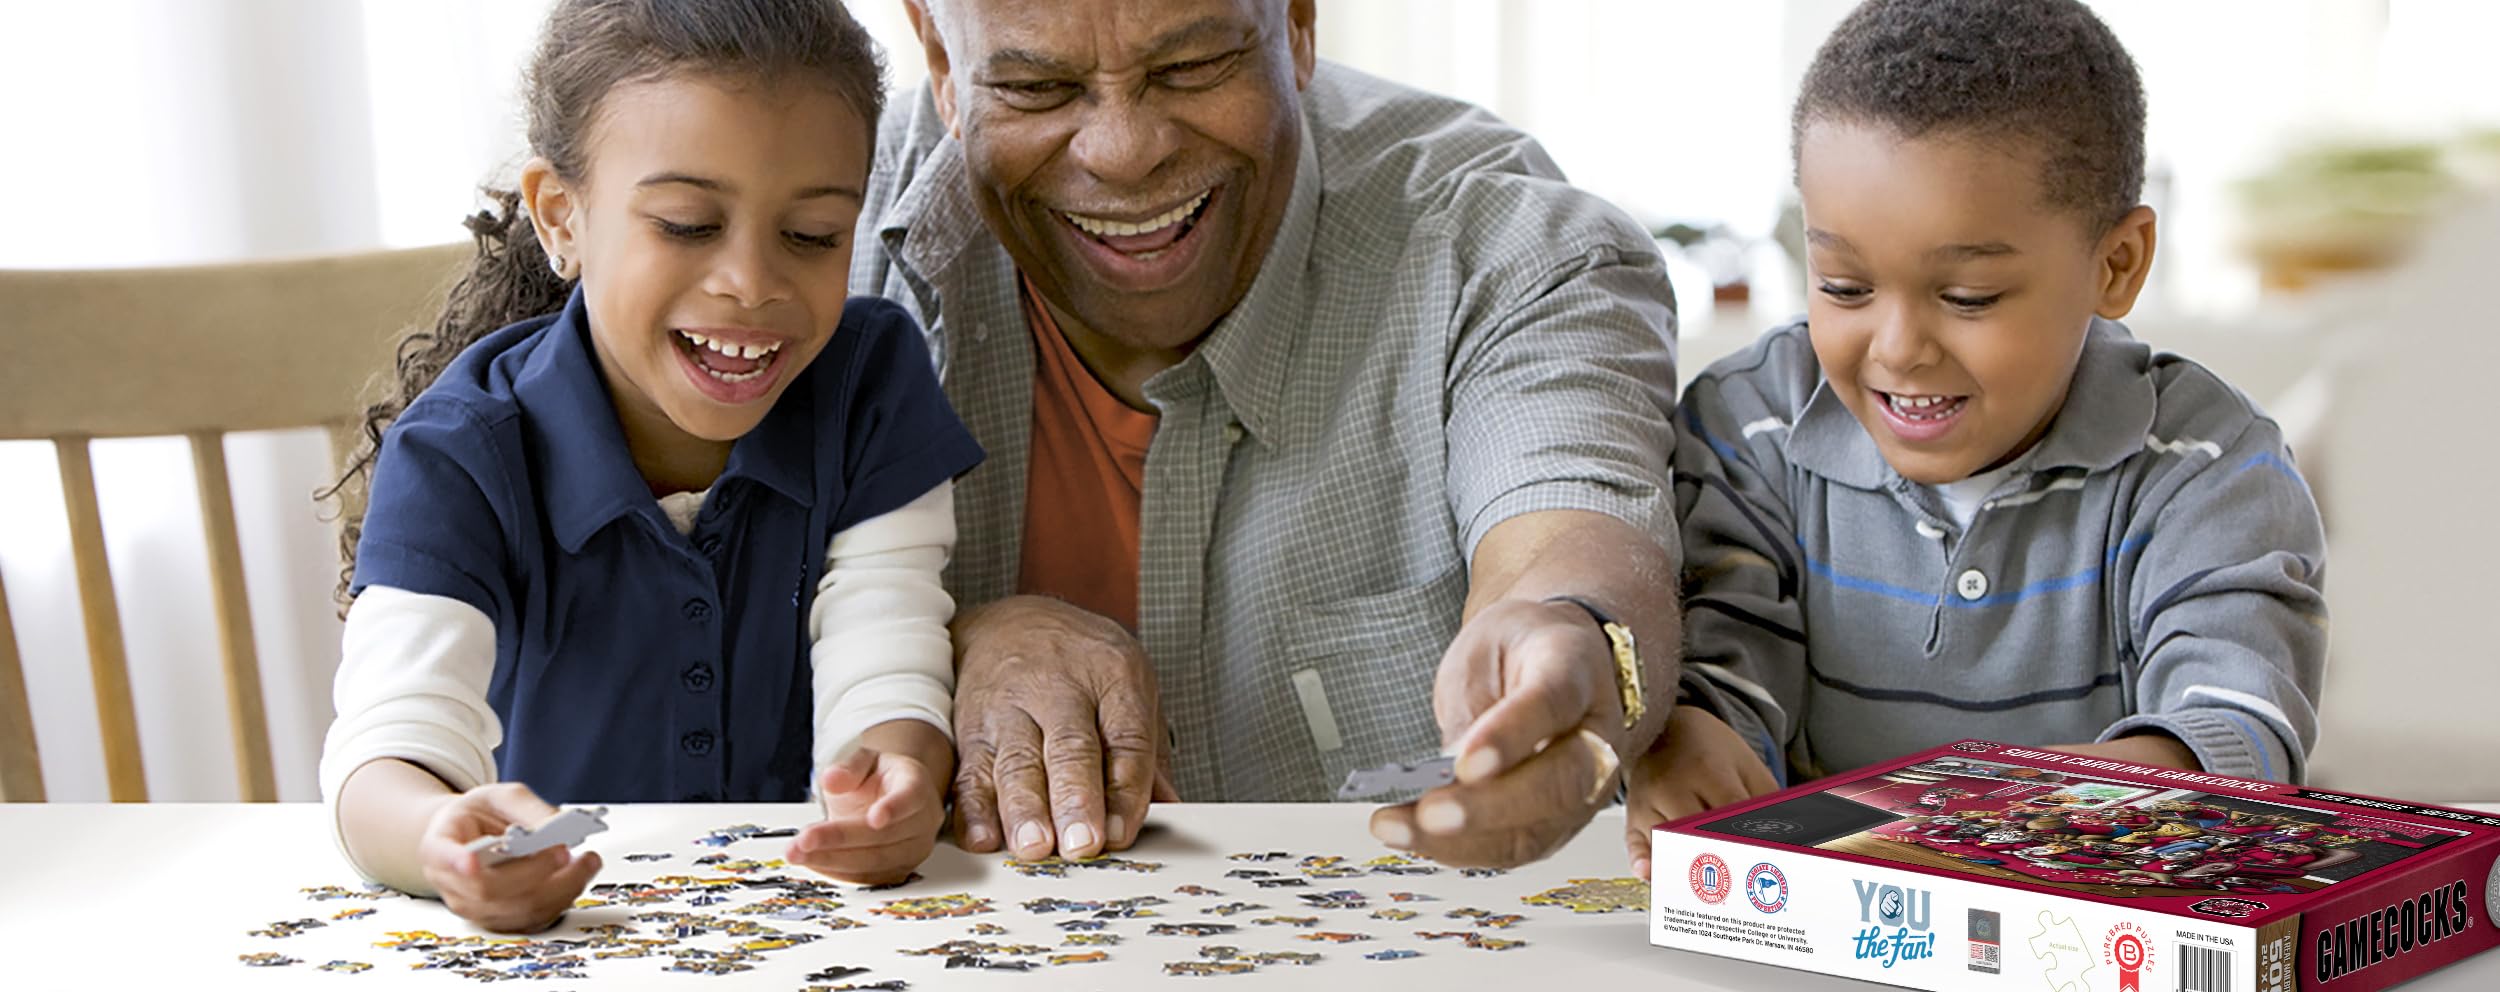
[2154,839]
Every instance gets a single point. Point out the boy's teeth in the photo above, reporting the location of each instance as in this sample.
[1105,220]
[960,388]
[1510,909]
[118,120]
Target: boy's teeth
[1921,407]
[1101,228]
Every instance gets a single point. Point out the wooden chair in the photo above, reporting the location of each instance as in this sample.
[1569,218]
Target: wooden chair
[196,351]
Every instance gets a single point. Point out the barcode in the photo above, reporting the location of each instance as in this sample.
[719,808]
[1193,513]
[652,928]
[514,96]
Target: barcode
[2204,969]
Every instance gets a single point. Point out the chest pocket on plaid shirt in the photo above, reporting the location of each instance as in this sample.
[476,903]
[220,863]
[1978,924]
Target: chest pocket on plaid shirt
[1362,668]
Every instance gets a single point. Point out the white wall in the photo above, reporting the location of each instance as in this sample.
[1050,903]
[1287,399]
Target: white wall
[218,129]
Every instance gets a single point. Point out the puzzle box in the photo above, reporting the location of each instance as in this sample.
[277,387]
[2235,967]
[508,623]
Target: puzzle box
[1981,866]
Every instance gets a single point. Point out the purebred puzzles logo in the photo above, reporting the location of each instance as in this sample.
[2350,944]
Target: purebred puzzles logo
[2131,949]
[1767,888]
[1910,915]
[1710,879]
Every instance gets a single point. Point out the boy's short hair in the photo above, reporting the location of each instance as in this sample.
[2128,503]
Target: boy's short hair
[2044,71]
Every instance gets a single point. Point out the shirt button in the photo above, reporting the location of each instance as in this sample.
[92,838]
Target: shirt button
[698,677]
[1972,585]
[698,610]
[1232,433]
[698,743]
[709,545]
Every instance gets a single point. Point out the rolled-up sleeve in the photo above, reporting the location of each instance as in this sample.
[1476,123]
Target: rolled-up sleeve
[1565,401]
[880,646]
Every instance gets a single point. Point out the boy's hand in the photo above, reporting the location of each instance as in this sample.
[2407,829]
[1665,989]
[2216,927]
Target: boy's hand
[882,813]
[1699,763]
[2150,748]
[523,895]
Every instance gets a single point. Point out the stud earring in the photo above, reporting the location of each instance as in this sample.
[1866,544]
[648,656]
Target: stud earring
[555,263]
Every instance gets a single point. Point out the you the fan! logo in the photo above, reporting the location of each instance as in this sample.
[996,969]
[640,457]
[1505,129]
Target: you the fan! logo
[1910,915]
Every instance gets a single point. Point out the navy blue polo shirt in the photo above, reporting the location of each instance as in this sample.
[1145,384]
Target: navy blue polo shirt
[633,663]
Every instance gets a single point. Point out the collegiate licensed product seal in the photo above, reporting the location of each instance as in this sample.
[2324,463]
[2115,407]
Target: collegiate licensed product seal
[1767,888]
[1710,880]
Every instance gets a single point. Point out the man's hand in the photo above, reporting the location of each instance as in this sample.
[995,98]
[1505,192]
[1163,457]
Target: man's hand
[883,801]
[523,895]
[1050,701]
[1699,763]
[1526,699]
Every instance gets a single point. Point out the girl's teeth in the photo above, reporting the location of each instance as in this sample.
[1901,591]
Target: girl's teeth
[727,349]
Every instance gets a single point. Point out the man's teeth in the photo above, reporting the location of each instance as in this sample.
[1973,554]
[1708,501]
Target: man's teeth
[728,349]
[1101,228]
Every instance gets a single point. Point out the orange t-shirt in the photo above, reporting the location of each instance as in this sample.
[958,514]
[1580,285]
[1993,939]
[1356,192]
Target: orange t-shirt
[1085,482]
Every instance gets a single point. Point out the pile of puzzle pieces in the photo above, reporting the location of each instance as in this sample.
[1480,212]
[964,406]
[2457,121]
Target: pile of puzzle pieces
[742,912]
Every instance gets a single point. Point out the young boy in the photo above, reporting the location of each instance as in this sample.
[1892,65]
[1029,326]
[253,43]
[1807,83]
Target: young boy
[1959,500]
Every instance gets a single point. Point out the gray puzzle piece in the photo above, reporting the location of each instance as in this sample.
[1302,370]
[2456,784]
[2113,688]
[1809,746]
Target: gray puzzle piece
[1429,773]
[565,829]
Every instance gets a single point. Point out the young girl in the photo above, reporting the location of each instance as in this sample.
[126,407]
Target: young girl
[675,534]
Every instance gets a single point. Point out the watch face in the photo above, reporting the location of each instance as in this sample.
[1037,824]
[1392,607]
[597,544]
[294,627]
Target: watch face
[1628,673]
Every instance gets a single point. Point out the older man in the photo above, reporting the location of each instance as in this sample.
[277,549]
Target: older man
[1327,427]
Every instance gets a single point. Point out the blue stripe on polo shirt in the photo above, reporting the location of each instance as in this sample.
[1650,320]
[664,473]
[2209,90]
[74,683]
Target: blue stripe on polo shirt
[2273,461]
[2265,764]
[1907,595]
[2099,682]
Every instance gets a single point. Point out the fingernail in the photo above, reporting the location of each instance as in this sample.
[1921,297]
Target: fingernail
[1607,765]
[1394,833]
[976,836]
[1479,764]
[1441,816]
[1119,829]
[1640,867]
[1077,837]
[1029,836]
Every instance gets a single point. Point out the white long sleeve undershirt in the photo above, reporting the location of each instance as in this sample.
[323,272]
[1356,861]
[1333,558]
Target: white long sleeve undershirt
[414,668]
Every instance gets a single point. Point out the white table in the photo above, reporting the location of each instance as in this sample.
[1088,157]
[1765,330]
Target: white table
[162,895]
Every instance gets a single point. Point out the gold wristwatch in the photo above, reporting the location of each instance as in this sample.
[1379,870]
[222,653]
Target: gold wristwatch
[1628,677]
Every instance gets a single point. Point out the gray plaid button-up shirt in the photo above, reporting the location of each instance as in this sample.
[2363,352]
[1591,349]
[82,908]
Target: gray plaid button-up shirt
[1444,335]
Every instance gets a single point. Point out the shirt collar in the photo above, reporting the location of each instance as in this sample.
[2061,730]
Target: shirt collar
[587,478]
[1250,351]
[2108,412]
[933,220]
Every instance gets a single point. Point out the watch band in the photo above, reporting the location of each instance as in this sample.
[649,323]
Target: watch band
[1628,678]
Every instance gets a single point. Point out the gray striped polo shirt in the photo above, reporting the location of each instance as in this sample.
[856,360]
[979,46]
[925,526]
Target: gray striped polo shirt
[2157,562]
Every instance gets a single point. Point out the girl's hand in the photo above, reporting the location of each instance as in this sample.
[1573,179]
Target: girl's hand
[523,895]
[1699,763]
[882,813]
